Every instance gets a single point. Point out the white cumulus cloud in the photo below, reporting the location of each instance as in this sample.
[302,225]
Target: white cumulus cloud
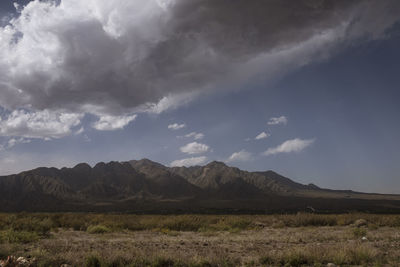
[195,135]
[262,135]
[41,124]
[15,141]
[293,145]
[110,123]
[189,162]
[176,126]
[194,148]
[277,120]
[242,155]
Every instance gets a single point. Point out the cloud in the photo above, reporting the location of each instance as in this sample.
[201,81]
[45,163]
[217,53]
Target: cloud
[10,143]
[194,148]
[289,146]
[240,156]
[189,162]
[110,123]
[86,138]
[124,56]
[80,131]
[262,135]
[176,126]
[15,141]
[41,124]
[196,136]
[169,102]
[277,120]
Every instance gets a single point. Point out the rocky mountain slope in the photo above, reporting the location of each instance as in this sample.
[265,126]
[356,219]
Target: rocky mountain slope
[147,186]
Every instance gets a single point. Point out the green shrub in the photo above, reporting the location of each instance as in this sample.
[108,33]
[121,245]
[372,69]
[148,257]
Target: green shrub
[307,219]
[29,223]
[297,258]
[362,255]
[4,252]
[118,262]
[92,261]
[266,260]
[169,232]
[11,236]
[359,232]
[183,223]
[98,229]
[240,223]
[396,222]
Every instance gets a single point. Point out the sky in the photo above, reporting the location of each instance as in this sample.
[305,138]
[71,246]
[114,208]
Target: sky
[307,88]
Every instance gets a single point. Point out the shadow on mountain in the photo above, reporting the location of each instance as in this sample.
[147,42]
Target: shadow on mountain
[144,186]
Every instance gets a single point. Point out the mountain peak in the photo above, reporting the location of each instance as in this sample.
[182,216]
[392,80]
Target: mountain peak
[145,162]
[82,166]
[216,164]
[313,186]
[99,165]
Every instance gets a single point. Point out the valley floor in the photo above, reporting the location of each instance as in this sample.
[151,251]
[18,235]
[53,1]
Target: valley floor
[237,241]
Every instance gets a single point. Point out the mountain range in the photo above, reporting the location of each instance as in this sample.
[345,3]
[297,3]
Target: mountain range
[145,186]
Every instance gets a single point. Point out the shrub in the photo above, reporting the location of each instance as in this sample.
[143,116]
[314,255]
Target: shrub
[202,264]
[161,262]
[118,262]
[92,261]
[183,223]
[98,229]
[239,223]
[395,222]
[362,255]
[29,223]
[11,236]
[266,260]
[359,232]
[307,219]
[297,258]
[4,252]
[169,232]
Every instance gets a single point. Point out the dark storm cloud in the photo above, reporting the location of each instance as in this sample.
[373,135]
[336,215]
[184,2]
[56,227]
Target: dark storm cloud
[115,57]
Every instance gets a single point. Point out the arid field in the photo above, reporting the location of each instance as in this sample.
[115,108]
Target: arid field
[201,240]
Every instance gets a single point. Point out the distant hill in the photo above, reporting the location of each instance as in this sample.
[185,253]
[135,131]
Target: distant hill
[144,186]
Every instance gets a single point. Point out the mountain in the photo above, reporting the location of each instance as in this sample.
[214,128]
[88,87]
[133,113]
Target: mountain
[148,186]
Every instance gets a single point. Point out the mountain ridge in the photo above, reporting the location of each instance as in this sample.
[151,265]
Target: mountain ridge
[144,185]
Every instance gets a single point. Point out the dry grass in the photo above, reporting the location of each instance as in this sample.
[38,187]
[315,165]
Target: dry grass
[201,240]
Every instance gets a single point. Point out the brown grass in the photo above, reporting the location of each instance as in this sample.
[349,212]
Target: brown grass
[201,240]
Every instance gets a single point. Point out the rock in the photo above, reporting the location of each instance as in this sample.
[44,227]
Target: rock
[360,222]
[364,238]
[259,224]
[331,265]
[21,259]
[13,261]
